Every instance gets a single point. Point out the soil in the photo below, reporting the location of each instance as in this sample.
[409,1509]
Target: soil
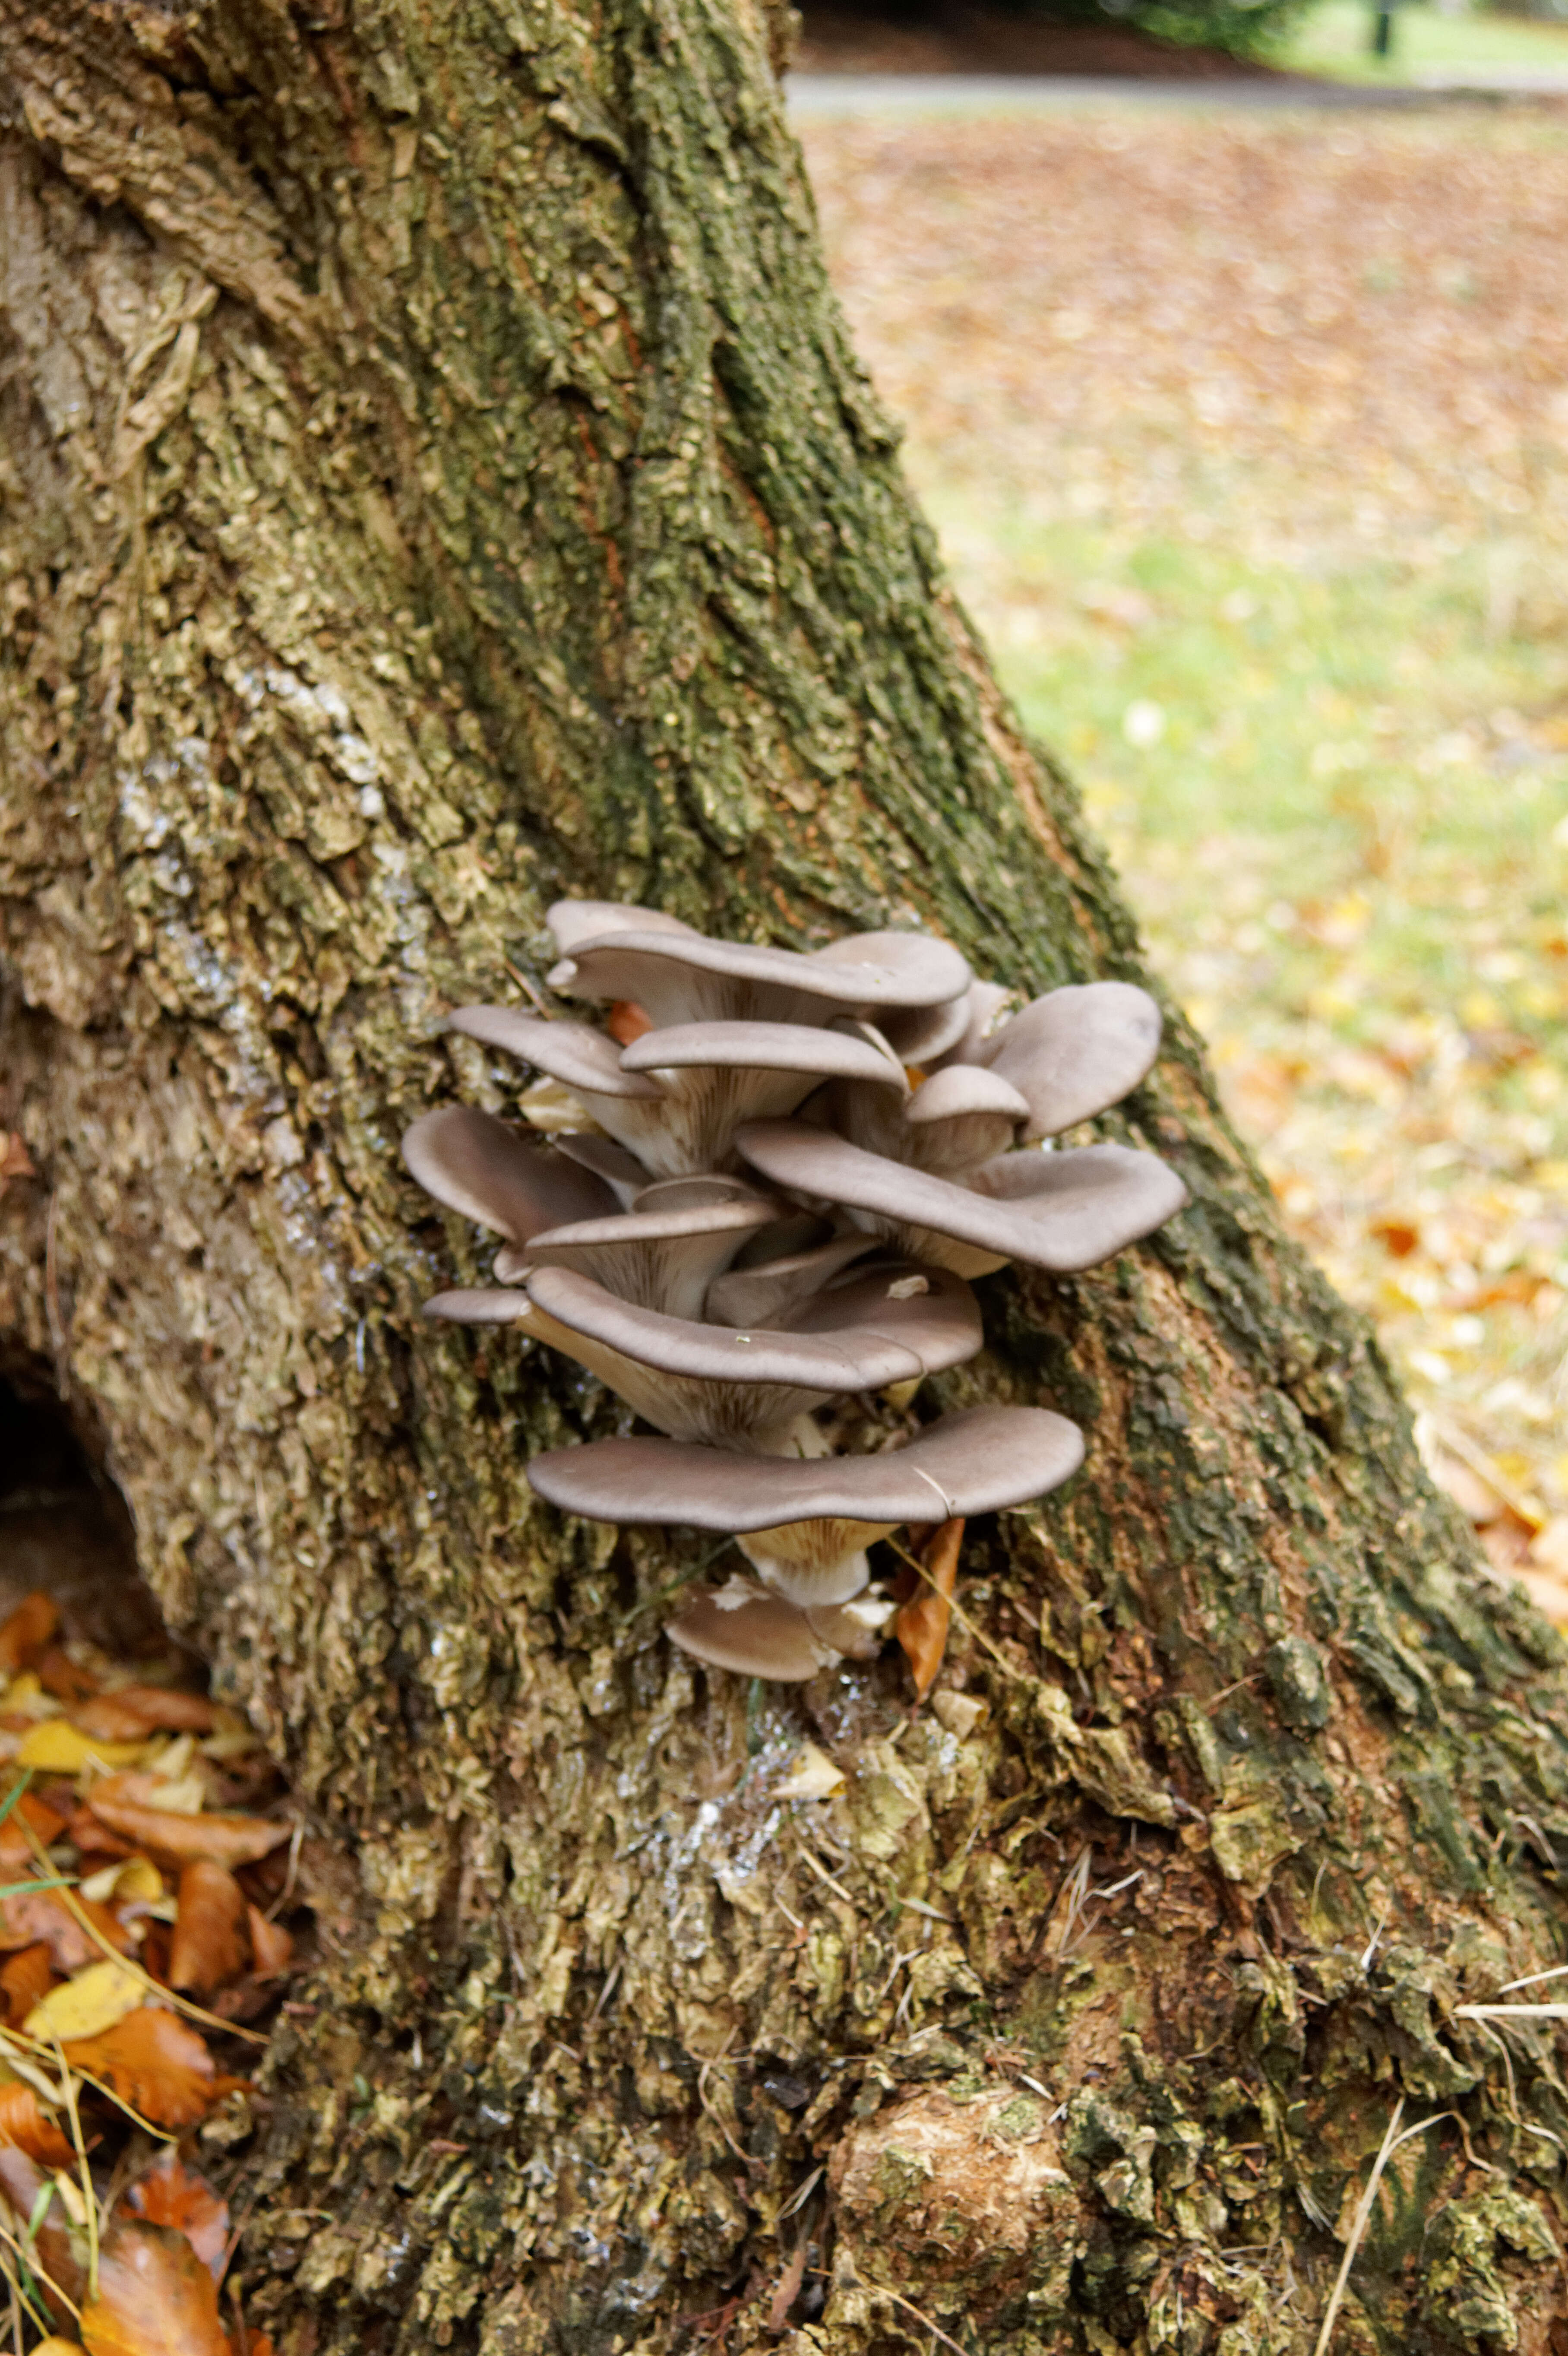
[994,41]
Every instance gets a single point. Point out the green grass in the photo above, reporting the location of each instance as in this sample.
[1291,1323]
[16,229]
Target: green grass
[1336,39]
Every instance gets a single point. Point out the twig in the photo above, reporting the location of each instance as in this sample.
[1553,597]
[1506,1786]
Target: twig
[30,2260]
[822,1875]
[922,2320]
[799,2199]
[78,2144]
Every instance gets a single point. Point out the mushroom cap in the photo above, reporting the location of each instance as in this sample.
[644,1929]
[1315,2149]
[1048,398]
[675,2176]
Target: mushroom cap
[802,1047]
[475,1164]
[1076,1051]
[963,1089]
[663,1253]
[1064,1212]
[834,1347]
[770,1293]
[742,1627]
[973,1462]
[583,1059]
[677,974]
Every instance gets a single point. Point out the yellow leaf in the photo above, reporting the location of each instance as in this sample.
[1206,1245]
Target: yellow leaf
[64,1750]
[97,1999]
[137,1877]
[55,2346]
[182,1795]
[812,1776]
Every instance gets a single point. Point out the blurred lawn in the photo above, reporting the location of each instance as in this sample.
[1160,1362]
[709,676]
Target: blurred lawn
[1335,37]
[1246,444]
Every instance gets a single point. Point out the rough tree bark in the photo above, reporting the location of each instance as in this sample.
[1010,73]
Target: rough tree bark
[435,477]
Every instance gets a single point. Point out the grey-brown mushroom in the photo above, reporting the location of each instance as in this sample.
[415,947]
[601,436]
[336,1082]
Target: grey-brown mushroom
[712,1238]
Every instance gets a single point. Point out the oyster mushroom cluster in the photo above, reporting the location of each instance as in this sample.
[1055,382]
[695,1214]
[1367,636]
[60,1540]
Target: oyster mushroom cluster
[787,1167]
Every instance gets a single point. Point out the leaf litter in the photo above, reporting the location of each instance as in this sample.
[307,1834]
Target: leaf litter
[142,1875]
[1248,444]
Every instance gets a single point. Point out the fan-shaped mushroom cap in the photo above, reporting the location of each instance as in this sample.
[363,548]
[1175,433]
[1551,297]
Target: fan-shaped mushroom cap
[583,1059]
[961,1117]
[1064,1212]
[770,1293]
[805,1523]
[801,1050]
[982,1003]
[742,1627]
[972,1462]
[475,1164]
[1076,1051]
[739,1388]
[663,1253]
[679,976]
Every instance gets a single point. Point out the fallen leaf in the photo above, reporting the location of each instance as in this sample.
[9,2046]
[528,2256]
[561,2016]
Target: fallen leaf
[921,1626]
[165,1709]
[628,1020]
[29,2128]
[1550,1545]
[26,1631]
[86,2005]
[59,1747]
[28,1977]
[128,1881]
[16,1162]
[15,1849]
[155,2296]
[122,1803]
[172,2194]
[60,2252]
[58,1675]
[812,1776]
[209,1946]
[42,1914]
[154,2063]
[55,2346]
[272,1947]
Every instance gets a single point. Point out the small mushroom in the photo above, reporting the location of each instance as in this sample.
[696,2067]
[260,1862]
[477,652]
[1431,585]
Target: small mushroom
[662,1254]
[740,1626]
[1075,1052]
[1064,1212]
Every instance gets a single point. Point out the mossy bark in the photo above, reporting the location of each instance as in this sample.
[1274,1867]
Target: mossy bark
[435,478]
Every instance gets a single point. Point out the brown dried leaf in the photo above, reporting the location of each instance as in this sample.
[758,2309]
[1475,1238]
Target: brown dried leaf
[154,2063]
[121,1802]
[628,1020]
[921,1626]
[155,2296]
[132,1712]
[28,2127]
[210,1945]
[35,1915]
[24,1980]
[21,2181]
[15,1849]
[272,1947]
[172,2194]
[16,1162]
[25,1633]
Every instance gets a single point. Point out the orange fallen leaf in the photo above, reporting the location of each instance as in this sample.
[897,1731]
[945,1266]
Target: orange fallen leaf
[29,2130]
[122,1802]
[154,2063]
[210,1945]
[628,1020]
[921,1626]
[34,1915]
[1398,1236]
[15,1849]
[172,2194]
[26,1631]
[65,1678]
[24,1980]
[272,1947]
[155,2296]
[16,1162]
[132,1712]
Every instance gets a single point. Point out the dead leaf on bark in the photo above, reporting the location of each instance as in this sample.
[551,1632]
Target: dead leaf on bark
[921,1626]
[26,1631]
[153,2062]
[173,2194]
[210,1942]
[156,2298]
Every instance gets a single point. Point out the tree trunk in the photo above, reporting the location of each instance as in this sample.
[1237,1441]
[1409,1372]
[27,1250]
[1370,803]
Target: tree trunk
[436,479]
